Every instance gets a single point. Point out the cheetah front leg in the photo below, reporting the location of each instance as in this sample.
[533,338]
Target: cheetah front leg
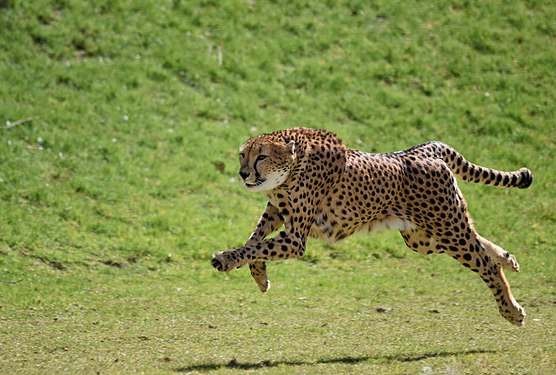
[258,273]
[284,246]
[289,243]
[268,223]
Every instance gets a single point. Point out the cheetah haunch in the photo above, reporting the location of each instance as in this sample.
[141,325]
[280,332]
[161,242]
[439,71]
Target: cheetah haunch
[317,187]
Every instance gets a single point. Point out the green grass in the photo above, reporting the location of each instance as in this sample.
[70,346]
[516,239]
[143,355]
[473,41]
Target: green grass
[118,184]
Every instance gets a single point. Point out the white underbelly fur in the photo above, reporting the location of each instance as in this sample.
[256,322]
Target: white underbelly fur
[324,231]
[392,223]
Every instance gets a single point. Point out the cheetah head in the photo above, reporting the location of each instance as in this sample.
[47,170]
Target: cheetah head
[265,163]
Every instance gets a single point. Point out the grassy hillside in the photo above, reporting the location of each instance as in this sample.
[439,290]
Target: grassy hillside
[119,128]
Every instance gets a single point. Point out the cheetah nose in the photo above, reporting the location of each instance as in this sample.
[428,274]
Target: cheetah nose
[243,174]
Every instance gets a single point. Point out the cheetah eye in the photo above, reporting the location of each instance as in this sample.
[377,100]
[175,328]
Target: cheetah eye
[241,155]
[261,157]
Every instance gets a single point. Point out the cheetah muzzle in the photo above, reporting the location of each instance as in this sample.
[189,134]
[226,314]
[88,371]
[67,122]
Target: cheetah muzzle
[317,187]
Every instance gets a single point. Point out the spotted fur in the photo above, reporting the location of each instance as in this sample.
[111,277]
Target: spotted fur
[317,187]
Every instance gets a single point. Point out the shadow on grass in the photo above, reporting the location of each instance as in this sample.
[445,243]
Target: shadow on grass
[234,364]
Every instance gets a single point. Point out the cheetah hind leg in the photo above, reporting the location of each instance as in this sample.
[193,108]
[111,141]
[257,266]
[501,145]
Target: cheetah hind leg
[258,271]
[499,255]
[491,269]
[419,241]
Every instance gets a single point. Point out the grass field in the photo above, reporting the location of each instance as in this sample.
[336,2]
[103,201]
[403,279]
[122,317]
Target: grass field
[119,128]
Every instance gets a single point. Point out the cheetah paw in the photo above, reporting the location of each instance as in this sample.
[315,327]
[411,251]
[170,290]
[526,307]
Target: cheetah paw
[520,321]
[264,286]
[224,261]
[511,262]
[515,314]
[519,316]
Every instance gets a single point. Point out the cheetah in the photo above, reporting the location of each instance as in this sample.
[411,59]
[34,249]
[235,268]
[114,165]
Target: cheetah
[316,186]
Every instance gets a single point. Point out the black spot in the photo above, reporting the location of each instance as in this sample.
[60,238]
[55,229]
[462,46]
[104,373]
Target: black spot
[514,180]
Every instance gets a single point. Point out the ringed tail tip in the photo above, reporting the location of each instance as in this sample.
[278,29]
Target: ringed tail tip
[526,178]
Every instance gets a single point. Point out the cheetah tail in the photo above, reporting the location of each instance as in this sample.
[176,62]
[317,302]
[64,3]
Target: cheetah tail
[468,171]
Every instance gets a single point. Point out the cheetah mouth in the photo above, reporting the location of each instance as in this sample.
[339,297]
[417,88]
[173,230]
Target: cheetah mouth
[258,182]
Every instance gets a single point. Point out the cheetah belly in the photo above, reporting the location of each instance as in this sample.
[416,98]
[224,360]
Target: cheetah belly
[391,223]
[324,228]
